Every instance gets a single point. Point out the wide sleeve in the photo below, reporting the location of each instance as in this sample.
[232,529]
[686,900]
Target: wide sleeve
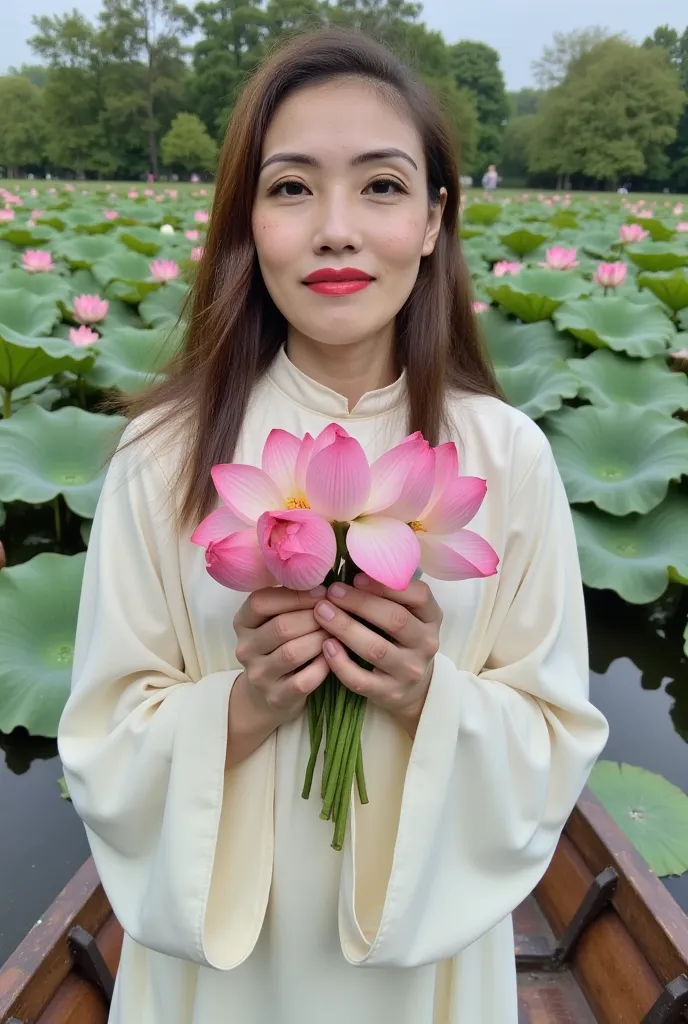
[499,758]
[184,847]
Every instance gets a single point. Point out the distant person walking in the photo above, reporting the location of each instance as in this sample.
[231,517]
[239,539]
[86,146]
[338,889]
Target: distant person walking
[490,178]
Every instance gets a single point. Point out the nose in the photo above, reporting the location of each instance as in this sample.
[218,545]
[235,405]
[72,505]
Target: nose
[337,227]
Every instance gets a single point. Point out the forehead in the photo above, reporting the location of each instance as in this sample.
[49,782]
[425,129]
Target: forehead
[341,118]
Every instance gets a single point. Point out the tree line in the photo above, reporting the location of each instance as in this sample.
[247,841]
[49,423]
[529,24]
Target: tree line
[148,86]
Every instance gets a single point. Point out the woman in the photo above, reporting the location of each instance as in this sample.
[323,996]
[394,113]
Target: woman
[184,741]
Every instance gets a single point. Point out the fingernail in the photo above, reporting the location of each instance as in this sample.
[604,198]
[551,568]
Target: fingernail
[362,580]
[325,611]
[330,648]
[318,591]
[337,590]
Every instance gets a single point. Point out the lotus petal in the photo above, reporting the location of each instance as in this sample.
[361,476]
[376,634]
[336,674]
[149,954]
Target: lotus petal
[338,479]
[455,505]
[401,480]
[236,562]
[385,549]
[218,525]
[280,455]
[39,601]
[461,556]
[246,490]
[298,546]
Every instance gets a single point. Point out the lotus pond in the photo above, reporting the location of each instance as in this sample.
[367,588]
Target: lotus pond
[596,354]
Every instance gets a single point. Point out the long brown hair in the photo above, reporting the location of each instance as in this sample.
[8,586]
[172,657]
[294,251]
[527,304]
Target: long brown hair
[235,330]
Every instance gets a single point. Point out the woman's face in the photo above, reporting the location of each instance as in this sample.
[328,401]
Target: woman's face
[342,187]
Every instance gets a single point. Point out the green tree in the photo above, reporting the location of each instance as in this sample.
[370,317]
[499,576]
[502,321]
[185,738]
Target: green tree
[22,123]
[525,101]
[617,105]
[475,67]
[566,49]
[517,143]
[674,161]
[36,73]
[187,145]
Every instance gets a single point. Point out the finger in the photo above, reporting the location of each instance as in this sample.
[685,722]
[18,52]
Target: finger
[281,629]
[376,685]
[309,678]
[264,604]
[395,619]
[418,596]
[292,656]
[398,662]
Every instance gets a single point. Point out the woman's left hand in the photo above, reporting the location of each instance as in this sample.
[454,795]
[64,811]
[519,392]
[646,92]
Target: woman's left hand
[402,666]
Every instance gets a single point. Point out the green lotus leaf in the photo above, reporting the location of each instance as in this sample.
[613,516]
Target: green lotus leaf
[511,344]
[522,241]
[129,358]
[48,286]
[658,232]
[564,219]
[650,810]
[633,555]
[536,294]
[672,288]
[43,454]
[639,330]
[126,276]
[537,388]
[27,237]
[25,313]
[622,457]
[82,251]
[468,233]
[24,359]
[657,256]
[85,221]
[607,379]
[683,322]
[163,308]
[141,239]
[600,244]
[482,213]
[39,602]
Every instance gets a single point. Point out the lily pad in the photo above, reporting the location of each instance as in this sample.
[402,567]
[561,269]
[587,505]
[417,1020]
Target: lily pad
[129,359]
[47,286]
[658,231]
[538,388]
[622,457]
[43,454]
[650,810]
[163,308]
[82,251]
[657,256]
[536,294]
[511,344]
[24,359]
[599,244]
[634,555]
[25,313]
[607,379]
[126,276]
[482,213]
[522,241]
[27,237]
[39,602]
[672,288]
[145,240]
[639,330]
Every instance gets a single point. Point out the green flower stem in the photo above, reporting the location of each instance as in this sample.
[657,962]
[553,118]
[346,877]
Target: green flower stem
[7,404]
[336,763]
[315,750]
[348,730]
[337,725]
[342,813]
[360,777]
[56,513]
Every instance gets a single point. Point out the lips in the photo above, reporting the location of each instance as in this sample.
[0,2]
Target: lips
[329,281]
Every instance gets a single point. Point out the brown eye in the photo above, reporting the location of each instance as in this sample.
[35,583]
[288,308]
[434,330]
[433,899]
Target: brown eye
[288,189]
[382,187]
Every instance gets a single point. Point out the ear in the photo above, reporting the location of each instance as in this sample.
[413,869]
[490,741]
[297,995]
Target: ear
[434,224]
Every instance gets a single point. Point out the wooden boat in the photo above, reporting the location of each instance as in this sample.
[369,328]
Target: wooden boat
[600,939]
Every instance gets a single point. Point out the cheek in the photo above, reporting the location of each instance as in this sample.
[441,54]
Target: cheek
[401,243]
[276,242]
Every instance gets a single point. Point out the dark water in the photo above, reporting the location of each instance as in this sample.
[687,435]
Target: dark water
[639,680]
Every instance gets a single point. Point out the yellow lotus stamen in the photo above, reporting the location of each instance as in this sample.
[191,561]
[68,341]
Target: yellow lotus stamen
[417,526]
[297,503]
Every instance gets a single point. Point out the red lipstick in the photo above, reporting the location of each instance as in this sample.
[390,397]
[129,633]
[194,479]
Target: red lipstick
[345,281]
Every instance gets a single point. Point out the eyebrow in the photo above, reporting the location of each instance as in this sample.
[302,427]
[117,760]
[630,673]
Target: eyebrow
[373,156]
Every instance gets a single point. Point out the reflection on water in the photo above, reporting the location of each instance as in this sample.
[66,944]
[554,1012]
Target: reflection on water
[639,680]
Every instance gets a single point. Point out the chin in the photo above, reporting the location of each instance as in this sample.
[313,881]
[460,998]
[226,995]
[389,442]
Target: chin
[340,330]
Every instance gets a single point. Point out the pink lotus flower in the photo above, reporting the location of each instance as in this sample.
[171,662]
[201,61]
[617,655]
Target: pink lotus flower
[164,270]
[197,253]
[678,209]
[69,188]
[90,309]
[682,226]
[35,214]
[480,307]
[148,192]
[37,261]
[201,216]
[82,336]
[110,214]
[132,194]
[172,192]
[505,267]
[632,232]
[299,547]
[645,213]
[6,216]
[611,275]
[560,258]
[192,235]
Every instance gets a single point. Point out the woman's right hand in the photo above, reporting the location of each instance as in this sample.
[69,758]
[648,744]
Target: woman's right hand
[279,645]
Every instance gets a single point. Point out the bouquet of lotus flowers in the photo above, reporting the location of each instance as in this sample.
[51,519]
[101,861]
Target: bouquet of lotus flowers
[317,512]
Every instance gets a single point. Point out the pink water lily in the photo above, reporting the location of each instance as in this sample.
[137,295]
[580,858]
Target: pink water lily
[192,235]
[634,232]
[82,336]
[299,547]
[448,550]
[480,307]
[611,275]
[197,253]
[90,309]
[37,261]
[560,258]
[6,216]
[110,214]
[682,226]
[164,270]
[201,216]
[506,267]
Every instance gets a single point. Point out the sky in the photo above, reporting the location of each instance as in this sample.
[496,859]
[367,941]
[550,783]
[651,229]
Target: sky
[517,29]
